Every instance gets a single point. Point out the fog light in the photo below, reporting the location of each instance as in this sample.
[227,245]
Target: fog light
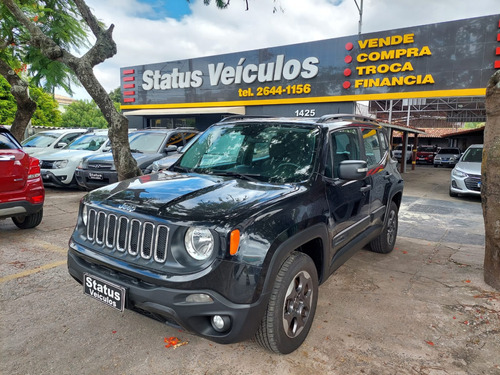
[199,298]
[221,323]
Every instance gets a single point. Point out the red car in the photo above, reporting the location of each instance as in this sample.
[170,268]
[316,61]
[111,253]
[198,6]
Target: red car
[21,187]
[425,154]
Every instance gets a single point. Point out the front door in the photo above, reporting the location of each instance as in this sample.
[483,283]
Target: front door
[348,200]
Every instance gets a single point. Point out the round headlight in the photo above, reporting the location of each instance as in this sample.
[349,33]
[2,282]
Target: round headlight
[199,243]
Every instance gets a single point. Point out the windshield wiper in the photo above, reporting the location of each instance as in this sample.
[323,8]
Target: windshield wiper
[244,176]
[136,150]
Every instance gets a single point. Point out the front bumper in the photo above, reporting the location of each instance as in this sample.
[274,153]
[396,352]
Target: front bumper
[95,179]
[169,304]
[470,185]
[448,163]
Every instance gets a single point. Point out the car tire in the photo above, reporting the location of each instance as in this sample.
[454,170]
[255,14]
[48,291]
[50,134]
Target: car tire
[435,165]
[28,221]
[292,305]
[452,194]
[386,240]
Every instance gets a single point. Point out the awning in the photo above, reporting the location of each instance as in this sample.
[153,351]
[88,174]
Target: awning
[185,111]
[403,128]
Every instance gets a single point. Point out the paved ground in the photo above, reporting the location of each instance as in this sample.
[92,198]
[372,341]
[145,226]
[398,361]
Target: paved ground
[423,309]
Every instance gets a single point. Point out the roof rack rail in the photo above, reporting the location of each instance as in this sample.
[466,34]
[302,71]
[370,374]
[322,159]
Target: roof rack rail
[339,116]
[243,117]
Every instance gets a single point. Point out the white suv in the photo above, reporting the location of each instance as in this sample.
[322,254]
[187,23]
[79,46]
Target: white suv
[49,141]
[58,168]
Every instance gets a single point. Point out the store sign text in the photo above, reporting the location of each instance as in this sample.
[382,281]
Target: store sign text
[242,73]
[382,62]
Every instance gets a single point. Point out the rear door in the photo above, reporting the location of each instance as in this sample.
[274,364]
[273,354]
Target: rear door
[379,178]
[14,164]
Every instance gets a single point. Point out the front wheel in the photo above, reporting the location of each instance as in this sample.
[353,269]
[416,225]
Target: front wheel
[385,242]
[292,305]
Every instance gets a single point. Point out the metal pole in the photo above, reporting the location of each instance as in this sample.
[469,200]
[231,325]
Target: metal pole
[360,10]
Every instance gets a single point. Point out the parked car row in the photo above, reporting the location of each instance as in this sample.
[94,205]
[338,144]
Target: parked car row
[82,158]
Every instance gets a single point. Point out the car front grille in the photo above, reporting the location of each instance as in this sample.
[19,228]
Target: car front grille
[46,164]
[473,182]
[100,166]
[143,239]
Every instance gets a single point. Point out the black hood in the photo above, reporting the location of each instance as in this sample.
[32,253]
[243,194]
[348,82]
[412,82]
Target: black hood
[191,197]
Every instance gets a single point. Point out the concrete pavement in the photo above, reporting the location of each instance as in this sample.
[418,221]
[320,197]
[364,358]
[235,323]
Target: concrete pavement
[423,309]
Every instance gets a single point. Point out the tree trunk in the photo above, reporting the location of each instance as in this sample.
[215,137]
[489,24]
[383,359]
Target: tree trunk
[490,190]
[25,105]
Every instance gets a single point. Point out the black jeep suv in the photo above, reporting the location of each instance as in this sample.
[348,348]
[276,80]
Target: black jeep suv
[234,238]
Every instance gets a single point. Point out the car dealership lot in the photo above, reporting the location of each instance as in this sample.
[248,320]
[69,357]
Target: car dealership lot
[423,309]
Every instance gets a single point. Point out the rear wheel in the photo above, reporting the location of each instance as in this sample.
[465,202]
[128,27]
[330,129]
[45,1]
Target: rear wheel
[292,305]
[28,221]
[385,242]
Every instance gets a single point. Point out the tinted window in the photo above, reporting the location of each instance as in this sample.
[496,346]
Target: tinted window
[449,151]
[7,142]
[473,155]
[373,149]
[344,146]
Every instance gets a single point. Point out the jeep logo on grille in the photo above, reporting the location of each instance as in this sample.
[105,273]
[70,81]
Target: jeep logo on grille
[127,207]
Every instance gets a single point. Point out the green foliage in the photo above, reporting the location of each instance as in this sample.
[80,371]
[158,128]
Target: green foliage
[46,114]
[116,95]
[58,19]
[83,113]
[8,105]
[473,125]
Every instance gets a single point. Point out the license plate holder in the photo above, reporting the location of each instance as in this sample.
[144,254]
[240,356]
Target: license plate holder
[105,292]
[95,176]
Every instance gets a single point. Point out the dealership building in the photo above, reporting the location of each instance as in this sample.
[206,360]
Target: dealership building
[445,60]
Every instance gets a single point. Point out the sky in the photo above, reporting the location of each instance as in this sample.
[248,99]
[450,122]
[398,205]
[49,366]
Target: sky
[151,31]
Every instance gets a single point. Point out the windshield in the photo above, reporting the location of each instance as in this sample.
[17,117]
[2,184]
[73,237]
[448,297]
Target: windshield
[473,155]
[148,143]
[40,140]
[449,151]
[264,152]
[89,142]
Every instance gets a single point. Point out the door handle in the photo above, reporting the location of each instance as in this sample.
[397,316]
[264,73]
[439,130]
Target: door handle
[7,158]
[365,188]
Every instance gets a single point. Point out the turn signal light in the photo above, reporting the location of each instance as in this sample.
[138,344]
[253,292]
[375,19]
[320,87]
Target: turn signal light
[234,241]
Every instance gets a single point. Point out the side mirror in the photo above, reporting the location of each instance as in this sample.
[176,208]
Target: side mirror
[170,148]
[179,149]
[353,170]
[61,145]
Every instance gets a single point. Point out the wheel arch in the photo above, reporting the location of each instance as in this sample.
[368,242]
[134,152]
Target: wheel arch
[312,241]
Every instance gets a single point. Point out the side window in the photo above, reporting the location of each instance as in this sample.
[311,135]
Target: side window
[344,146]
[175,140]
[187,137]
[68,138]
[6,143]
[373,148]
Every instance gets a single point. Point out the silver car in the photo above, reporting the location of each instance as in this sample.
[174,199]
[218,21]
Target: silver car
[466,176]
[447,156]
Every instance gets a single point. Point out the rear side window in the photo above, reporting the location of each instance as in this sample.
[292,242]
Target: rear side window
[7,142]
[374,148]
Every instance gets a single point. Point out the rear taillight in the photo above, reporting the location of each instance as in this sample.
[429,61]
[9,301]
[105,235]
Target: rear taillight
[34,171]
